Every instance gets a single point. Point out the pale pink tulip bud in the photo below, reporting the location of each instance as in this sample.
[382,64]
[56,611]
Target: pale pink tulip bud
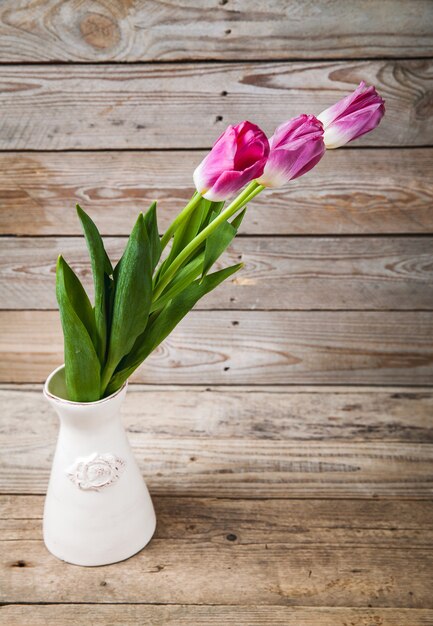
[237,157]
[353,116]
[296,147]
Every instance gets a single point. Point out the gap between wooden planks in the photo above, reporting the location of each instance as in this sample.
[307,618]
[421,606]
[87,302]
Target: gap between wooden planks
[86,107]
[249,347]
[351,191]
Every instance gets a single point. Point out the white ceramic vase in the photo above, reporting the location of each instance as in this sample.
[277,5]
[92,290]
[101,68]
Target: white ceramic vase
[97,509]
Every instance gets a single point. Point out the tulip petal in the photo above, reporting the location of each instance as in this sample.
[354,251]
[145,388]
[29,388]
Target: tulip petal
[349,128]
[333,112]
[296,147]
[352,116]
[237,157]
[231,181]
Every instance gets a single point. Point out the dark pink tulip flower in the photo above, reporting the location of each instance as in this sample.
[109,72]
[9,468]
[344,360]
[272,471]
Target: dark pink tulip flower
[296,147]
[353,116]
[237,157]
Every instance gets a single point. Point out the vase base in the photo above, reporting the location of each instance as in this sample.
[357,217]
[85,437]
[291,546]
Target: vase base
[111,557]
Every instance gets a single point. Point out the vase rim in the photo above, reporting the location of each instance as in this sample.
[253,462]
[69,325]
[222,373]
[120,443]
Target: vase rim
[51,396]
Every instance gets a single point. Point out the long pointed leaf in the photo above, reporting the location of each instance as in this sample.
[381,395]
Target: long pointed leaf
[185,276]
[237,221]
[101,266]
[79,299]
[189,228]
[82,367]
[162,325]
[219,240]
[216,243]
[186,231]
[151,224]
[214,209]
[132,297]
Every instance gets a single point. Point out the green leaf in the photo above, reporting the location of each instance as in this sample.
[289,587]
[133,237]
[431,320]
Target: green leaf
[101,266]
[163,323]
[109,300]
[132,297]
[216,243]
[183,278]
[185,232]
[237,221]
[79,299]
[214,209]
[82,367]
[219,240]
[151,224]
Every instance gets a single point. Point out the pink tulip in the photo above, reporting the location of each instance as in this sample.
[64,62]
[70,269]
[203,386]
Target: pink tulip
[237,157]
[296,147]
[353,116]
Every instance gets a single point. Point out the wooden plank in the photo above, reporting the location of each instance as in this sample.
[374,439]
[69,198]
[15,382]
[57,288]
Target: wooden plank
[186,106]
[178,572]
[249,347]
[250,469]
[219,569]
[330,414]
[38,192]
[155,30]
[185,454]
[351,191]
[284,273]
[254,538]
[384,523]
[180,615]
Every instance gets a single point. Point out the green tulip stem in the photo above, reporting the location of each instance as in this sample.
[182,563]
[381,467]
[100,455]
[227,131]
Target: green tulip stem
[247,194]
[180,218]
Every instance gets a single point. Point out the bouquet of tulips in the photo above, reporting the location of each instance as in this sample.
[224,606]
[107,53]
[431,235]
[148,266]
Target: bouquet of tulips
[140,301]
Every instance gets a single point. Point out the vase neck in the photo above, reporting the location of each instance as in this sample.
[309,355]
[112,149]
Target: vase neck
[86,415]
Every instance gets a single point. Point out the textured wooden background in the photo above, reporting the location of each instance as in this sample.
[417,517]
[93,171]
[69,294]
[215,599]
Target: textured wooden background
[286,425]
[114,103]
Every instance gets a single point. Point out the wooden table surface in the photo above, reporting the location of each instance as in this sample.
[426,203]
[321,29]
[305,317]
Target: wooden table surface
[285,428]
[305,506]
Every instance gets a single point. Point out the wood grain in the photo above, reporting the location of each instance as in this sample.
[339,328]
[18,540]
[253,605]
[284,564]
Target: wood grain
[250,468]
[150,106]
[178,572]
[276,504]
[270,543]
[350,191]
[246,570]
[284,273]
[154,30]
[186,452]
[384,523]
[249,347]
[180,615]
[337,414]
